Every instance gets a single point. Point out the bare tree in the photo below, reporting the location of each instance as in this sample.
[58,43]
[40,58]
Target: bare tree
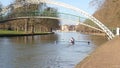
[96,3]
[1,10]
[109,13]
[1,6]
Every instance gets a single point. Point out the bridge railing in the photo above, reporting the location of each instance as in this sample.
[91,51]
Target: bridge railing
[42,14]
[24,14]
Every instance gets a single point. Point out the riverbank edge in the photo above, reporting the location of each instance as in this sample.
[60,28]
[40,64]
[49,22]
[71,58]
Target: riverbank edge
[27,34]
[86,63]
[98,34]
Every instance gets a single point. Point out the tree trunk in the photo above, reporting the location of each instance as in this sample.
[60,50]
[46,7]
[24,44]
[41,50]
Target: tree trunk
[26,25]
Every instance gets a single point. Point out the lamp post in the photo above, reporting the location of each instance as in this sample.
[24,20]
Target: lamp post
[117,31]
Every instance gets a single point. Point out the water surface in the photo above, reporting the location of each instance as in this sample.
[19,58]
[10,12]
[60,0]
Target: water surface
[46,51]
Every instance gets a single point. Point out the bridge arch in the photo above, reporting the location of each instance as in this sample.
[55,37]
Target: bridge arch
[48,17]
[97,22]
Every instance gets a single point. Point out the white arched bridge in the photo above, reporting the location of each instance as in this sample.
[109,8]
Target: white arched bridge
[38,15]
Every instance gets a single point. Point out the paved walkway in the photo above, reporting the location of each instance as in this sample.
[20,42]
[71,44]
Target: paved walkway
[106,56]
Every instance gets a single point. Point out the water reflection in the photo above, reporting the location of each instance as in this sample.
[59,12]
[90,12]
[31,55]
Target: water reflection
[42,52]
[35,39]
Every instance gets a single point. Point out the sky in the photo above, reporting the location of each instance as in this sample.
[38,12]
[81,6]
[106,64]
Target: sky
[82,4]
[5,2]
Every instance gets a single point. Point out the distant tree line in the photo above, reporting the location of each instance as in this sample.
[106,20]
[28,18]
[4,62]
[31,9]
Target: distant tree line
[31,24]
[107,11]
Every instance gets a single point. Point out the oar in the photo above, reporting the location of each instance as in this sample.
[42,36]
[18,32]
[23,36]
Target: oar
[75,41]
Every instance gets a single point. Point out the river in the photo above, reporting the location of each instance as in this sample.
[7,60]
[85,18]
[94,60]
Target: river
[47,51]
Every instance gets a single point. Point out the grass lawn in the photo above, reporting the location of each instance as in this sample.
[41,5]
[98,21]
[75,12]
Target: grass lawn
[4,33]
[10,32]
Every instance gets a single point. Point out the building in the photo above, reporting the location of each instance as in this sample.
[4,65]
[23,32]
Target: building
[67,28]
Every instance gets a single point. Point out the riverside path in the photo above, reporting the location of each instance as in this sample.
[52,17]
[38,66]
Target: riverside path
[106,56]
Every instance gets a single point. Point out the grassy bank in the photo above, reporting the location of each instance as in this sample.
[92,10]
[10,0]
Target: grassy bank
[8,33]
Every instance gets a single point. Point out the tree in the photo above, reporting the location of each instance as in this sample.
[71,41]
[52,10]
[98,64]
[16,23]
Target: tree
[91,23]
[1,7]
[96,3]
[52,24]
[109,13]
[27,9]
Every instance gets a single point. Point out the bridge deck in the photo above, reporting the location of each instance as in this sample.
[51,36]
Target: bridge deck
[106,56]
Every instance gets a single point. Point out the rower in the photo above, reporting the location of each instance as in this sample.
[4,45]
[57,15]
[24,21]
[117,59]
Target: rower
[72,40]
